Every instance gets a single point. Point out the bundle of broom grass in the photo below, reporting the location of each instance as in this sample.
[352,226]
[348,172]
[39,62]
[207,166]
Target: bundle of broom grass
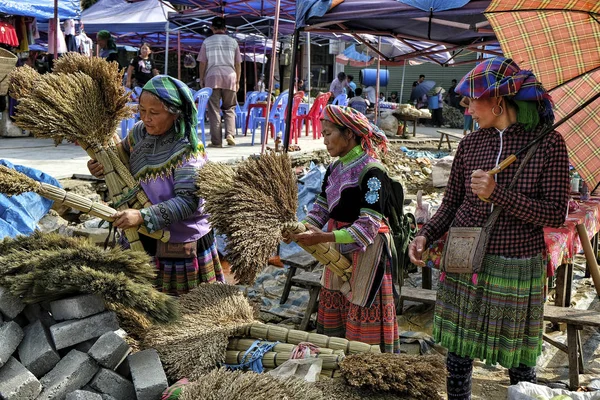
[46,267]
[253,205]
[82,101]
[13,183]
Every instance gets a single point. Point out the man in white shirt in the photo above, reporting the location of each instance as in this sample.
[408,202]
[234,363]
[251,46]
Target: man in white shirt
[369,91]
[338,85]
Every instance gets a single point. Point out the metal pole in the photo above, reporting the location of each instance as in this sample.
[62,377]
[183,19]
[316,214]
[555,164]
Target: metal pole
[179,55]
[262,71]
[377,82]
[271,75]
[255,68]
[288,112]
[56,28]
[167,49]
[307,82]
[402,84]
[245,71]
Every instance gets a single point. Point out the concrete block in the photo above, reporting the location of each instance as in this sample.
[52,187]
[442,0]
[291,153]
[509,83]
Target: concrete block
[34,312]
[36,351]
[113,384]
[109,350]
[17,383]
[10,305]
[84,347]
[107,397]
[70,374]
[11,335]
[83,395]
[1,319]
[77,307]
[147,373]
[75,331]
[123,369]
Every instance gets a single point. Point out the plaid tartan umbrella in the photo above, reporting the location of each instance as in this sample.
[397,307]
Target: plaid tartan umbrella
[559,40]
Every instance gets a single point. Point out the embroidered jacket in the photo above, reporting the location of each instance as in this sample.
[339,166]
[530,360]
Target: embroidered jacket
[166,169]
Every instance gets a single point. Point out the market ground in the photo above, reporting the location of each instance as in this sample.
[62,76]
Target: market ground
[67,159]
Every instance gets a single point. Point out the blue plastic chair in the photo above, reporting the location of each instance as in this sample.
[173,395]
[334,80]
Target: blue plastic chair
[341,100]
[137,92]
[276,117]
[201,99]
[252,123]
[242,112]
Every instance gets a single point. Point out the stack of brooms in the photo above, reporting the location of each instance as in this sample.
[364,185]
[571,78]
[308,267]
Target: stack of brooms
[254,205]
[83,101]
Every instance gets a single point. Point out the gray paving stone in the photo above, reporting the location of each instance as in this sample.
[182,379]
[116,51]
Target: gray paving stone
[109,350]
[71,373]
[75,331]
[83,395]
[147,373]
[110,383]
[77,307]
[10,305]
[36,351]
[34,312]
[17,383]
[11,335]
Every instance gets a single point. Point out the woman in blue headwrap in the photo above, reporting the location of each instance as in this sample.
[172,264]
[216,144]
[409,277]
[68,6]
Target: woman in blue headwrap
[164,156]
[496,314]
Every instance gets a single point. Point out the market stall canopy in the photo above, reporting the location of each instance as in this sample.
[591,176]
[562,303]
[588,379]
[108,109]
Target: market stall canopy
[43,10]
[122,16]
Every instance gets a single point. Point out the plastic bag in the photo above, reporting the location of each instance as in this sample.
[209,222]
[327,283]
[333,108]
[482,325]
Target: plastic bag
[304,368]
[530,391]
[422,212]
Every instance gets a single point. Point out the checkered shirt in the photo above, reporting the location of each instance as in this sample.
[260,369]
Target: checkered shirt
[539,198]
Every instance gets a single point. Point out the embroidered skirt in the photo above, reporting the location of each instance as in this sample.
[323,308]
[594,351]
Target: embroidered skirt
[373,325]
[179,276]
[499,320]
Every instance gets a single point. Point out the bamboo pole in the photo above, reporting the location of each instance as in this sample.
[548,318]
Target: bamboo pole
[590,257]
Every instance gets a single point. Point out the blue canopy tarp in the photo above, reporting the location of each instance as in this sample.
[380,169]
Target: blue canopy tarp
[121,16]
[41,9]
[20,214]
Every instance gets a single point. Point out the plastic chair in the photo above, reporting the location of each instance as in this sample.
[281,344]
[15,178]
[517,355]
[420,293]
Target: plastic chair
[259,96]
[242,112]
[276,117]
[296,122]
[341,100]
[138,92]
[314,114]
[201,99]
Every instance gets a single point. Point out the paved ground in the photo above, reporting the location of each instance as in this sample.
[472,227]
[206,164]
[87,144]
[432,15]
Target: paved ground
[66,159]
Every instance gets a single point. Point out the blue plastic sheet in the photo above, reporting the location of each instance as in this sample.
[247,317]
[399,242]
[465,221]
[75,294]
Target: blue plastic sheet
[306,9]
[426,154]
[41,9]
[435,5]
[20,214]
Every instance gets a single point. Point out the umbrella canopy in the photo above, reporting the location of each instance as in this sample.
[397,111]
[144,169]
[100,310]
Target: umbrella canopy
[421,89]
[559,42]
[435,5]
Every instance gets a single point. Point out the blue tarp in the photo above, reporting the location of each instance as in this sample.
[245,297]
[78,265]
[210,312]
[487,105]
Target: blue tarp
[20,214]
[306,9]
[121,16]
[41,9]
[435,5]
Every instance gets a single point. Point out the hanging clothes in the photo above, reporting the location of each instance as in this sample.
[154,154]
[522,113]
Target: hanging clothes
[21,29]
[52,34]
[69,28]
[8,34]
[84,44]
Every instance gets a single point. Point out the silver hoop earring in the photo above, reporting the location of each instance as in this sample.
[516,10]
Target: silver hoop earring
[501,110]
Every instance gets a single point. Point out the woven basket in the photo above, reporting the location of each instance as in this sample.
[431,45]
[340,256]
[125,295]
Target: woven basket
[8,62]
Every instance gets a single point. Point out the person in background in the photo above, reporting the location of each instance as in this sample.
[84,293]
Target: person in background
[437,107]
[351,86]
[497,314]
[301,85]
[338,85]
[220,68]
[453,98]
[260,85]
[468,123]
[108,47]
[418,82]
[393,98]
[358,102]
[164,157]
[381,97]
[363,308]
[142,68]
[371,95]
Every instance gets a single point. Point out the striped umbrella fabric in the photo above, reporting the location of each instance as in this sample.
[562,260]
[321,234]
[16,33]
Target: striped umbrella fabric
[559,40]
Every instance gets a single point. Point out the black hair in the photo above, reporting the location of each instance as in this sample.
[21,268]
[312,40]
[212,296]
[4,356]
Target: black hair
[218,23]
[342,76]
[421,76]
[358,91]
[350,77]
[453,80]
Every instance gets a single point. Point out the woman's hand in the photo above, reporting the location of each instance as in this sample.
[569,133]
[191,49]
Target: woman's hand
[311,236]
[129,218]
[95,168]
[482,184]
[415,250]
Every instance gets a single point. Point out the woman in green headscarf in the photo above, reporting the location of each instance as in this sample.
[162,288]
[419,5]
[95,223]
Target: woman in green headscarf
[164,156]
[108,47]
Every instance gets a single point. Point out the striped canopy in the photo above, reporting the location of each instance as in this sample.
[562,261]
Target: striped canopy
[559,40]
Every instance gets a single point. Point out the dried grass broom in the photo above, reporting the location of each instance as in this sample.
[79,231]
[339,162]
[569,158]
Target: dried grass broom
[39,268]
[413,376]
[253,205]
[222,384]
[83,101]
[210,315]
[13,183]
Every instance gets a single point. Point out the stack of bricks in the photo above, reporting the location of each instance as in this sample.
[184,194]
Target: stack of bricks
[71,349]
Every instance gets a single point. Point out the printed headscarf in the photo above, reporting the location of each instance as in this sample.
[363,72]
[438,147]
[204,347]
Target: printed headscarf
[176,93]
[372,139]
[498,76]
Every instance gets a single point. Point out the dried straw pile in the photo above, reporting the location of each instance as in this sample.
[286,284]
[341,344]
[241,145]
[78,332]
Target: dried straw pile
[418,377]
[13,183]
[45,267]
[221,384]
[197,343]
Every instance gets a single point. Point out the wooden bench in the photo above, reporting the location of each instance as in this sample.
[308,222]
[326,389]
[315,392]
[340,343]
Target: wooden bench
[575,320]
[312,282]
[447,135]
[301,260]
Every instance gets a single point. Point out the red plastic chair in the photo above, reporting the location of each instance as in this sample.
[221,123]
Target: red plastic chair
[295,127]
[314,115]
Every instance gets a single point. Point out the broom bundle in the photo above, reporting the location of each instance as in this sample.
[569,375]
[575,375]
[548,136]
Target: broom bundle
[46,267]
[253,206]
[83,101]
[13,183]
